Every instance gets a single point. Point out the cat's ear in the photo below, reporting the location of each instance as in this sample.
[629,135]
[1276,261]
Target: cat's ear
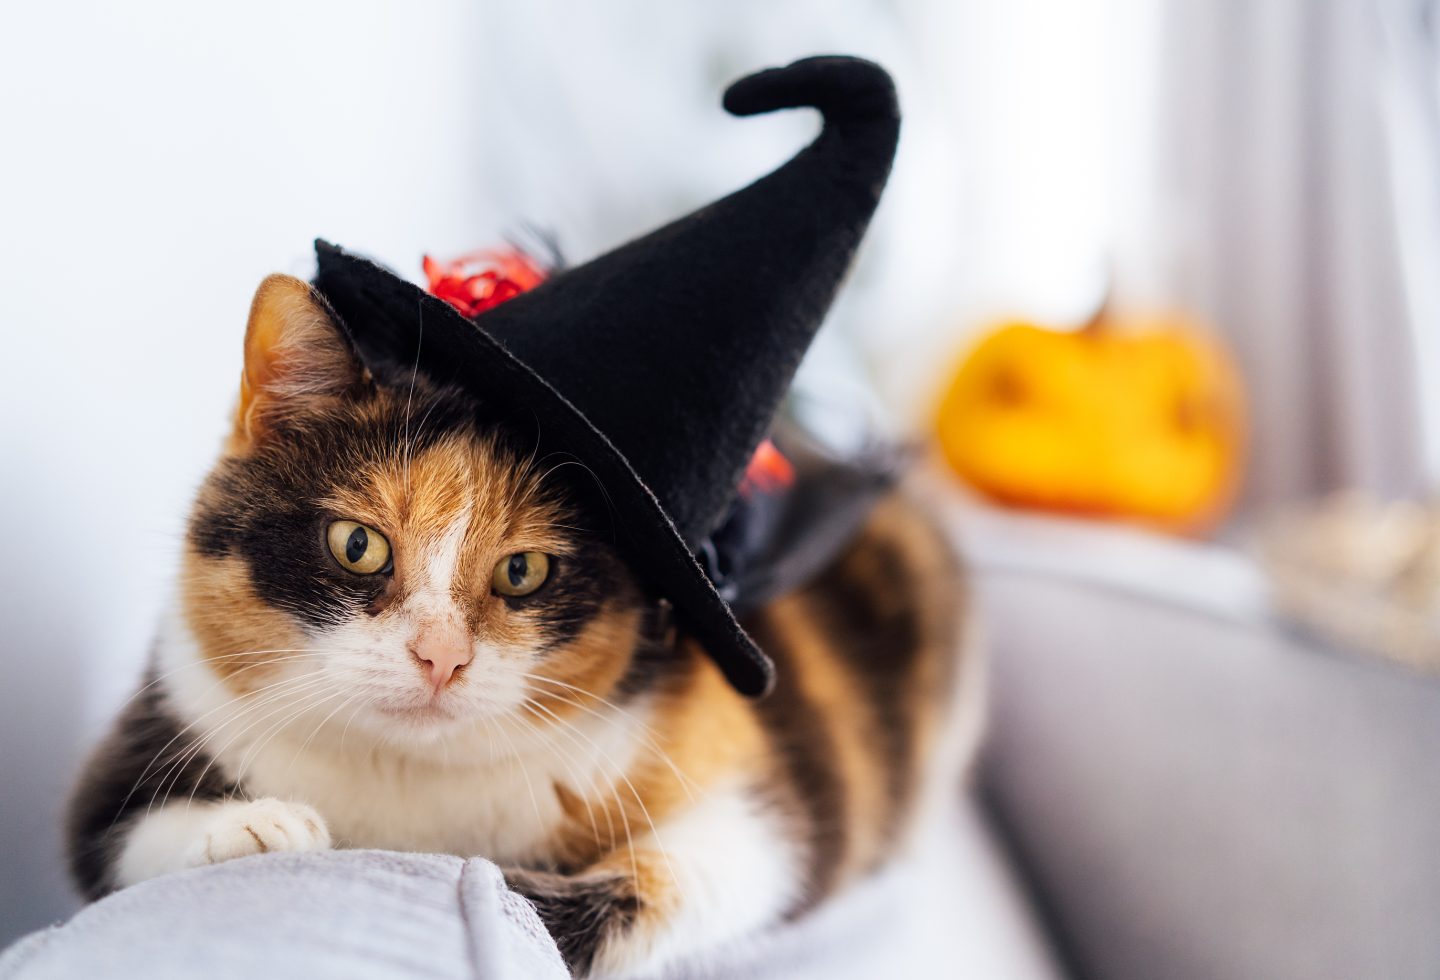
[295,353]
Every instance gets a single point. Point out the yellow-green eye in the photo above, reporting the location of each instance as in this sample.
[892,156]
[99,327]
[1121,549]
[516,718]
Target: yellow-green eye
[359,549]
[521,574]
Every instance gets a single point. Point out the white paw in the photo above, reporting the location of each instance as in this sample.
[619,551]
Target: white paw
[241,829]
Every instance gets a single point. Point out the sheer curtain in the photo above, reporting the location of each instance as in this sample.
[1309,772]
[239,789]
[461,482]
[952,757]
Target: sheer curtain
[1411,32]
[1279,199]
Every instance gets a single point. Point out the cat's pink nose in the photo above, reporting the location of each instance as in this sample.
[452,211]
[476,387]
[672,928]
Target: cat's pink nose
[441,652]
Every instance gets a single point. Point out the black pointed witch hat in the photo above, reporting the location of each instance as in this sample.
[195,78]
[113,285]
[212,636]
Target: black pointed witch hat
[660,365]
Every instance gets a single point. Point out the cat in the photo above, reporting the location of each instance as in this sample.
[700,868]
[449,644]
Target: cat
[396,627]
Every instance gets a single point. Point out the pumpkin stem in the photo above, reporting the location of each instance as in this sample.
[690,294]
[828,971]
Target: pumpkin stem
[1099,321]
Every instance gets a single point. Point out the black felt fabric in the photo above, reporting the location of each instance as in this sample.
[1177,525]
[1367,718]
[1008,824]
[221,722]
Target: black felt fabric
[777,541]
[660,365]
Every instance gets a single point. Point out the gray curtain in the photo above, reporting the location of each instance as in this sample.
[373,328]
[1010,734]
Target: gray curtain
[1279,216]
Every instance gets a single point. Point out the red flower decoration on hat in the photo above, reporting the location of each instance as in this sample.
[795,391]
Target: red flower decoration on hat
[480,281]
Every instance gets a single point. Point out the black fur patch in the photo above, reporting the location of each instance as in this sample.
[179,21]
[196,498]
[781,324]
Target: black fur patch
[655,657]
[579,911]
[144,762]
[579,585]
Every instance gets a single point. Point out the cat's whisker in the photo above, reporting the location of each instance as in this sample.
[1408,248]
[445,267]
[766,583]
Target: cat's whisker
[520,762]
[203,745]
[294,709]
[647,732]
[273,694]
[575,776]
[200,743]
[352,699]
[410,397]
[630,838]
[594,787]
[209,661]
[405,447]
[359,705]
[180,734]
[313,702]
[169,777]
[604,492]
[420,426]
[239,778]
[639,800]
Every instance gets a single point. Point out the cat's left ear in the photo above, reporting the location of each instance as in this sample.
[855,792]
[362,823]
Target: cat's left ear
[295,353]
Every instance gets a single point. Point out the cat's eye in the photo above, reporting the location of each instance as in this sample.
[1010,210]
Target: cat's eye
[521,573]
[359,549]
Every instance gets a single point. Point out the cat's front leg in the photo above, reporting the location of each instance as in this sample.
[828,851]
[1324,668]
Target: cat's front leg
[180,835]
[718,871]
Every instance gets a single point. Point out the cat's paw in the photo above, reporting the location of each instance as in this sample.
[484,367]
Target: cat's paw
[257,827]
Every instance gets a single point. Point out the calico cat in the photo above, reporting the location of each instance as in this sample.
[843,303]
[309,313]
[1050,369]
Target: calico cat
[398,628]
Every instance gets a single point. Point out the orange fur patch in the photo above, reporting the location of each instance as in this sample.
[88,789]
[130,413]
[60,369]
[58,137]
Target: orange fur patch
[243,639]
[846,712]
[414,499]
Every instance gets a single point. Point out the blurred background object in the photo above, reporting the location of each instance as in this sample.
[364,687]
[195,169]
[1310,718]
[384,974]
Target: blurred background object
[1138,417]
[1271,169]
[1276,214]
[1360,574]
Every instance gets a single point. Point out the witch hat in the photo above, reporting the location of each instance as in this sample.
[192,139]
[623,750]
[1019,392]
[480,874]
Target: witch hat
[660,365]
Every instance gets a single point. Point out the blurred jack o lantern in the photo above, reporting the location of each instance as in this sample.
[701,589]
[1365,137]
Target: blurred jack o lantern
[1140,418]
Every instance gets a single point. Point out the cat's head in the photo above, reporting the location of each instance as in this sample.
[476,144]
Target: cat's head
[375,550]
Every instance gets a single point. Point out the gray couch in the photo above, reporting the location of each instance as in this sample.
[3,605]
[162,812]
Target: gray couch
[1172,787]
[1191,790]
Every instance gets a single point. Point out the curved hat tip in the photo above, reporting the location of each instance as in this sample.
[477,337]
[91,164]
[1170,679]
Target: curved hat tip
[841,87]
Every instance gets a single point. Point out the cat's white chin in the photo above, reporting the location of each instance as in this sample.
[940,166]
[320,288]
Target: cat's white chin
[433,712]
[412,724]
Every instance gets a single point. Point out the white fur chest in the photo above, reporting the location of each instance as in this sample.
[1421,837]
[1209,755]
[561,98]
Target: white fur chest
[502,809]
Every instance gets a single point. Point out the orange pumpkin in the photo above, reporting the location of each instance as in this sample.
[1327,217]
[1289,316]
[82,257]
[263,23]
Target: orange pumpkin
[1142,419]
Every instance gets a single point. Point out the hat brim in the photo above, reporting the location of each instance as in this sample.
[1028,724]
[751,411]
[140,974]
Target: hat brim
[381,312]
